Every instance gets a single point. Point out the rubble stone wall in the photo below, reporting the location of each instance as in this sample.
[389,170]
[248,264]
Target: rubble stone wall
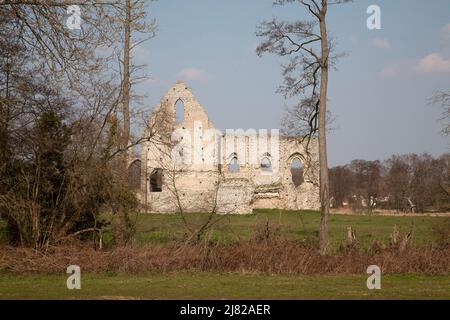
[194,172]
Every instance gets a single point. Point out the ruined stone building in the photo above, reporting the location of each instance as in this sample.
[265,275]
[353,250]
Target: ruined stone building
[188,165]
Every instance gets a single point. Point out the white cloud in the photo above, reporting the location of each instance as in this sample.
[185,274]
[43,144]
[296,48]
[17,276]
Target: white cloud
[193,73]
[434,63]
[445,31]
[381,43]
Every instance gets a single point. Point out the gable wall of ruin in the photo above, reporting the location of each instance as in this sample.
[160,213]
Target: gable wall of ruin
[195,164]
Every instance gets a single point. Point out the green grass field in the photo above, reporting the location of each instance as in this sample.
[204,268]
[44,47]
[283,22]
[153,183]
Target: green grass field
[292,225]
[161,228]
[223,286]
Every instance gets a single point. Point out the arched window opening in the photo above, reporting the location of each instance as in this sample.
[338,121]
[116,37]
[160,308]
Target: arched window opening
[179,111]
[156,180]
[266,164]
[233,165]
[297,172]
[134,174]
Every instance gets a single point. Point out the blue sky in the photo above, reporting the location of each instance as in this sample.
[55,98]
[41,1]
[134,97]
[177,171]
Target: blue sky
[379,92]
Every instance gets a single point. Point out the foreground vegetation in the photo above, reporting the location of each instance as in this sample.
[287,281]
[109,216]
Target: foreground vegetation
[266,255]
[293,225]
[223,286]
[154,228]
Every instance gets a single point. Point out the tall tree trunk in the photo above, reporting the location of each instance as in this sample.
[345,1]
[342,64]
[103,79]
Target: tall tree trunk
[122,232]
[323,161]
[126,75]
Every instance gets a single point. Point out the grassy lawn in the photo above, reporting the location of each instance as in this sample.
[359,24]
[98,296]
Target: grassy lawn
[291,224]
[223,286]
[160,228]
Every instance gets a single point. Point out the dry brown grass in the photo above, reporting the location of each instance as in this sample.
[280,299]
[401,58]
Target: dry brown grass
[267,256]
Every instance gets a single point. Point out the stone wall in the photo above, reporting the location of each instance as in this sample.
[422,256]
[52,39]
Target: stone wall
[190,160]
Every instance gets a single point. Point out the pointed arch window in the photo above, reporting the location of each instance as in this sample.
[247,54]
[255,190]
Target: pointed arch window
[233,164]
[156,180]
[297,171]
[179,111]
[134,174]
[266,163]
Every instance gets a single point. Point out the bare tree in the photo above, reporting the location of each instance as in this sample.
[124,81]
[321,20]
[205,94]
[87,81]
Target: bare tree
[341,184]
[209,201]
[367,178]
[42,61]
[410,182]
[176,179]
[137,28]
[443,99]
[63,52]
[133,13]
[306,75]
